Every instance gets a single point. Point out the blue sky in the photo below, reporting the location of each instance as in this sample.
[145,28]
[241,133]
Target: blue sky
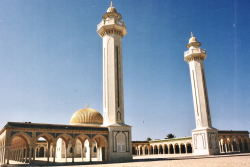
[51,62]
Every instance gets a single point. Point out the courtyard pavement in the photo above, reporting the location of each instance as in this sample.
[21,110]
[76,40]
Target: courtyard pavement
[177,160]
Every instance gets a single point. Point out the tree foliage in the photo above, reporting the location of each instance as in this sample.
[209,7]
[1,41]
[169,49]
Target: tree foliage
[149,139]
[170,136]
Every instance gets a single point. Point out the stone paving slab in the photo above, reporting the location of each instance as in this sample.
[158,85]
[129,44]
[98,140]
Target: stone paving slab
[189,160]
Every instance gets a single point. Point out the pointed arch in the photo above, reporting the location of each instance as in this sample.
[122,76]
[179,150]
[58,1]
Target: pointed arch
[22,135]
[82,138]
[65,137]
[100,140]
[48,137]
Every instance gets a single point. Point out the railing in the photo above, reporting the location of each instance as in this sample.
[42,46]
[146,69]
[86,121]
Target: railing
[203,51]
[107,22]
[121,23]
[99,25]
[198,50]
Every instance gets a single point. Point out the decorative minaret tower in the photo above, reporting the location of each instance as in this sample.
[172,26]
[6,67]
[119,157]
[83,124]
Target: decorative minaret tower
[112,30]
[205,137]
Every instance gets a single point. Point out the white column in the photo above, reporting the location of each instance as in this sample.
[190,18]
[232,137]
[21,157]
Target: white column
[34,154]
[4,155]
[19,155]
[82,149]
[48,152]
[54,154]
[26,153]
[106,153]
[1,154]
[97,153]
[66,147]
[30,149]
[8,155]
[90,153]
[22,155]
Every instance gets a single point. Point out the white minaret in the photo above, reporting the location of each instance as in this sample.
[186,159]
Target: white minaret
[205,137]
[112,30]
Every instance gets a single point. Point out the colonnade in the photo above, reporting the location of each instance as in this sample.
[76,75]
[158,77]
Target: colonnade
[228,145]
[22,149]
[28,154]
[2,154]
[165,149]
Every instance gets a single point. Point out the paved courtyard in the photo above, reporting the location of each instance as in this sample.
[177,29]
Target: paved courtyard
[184,160]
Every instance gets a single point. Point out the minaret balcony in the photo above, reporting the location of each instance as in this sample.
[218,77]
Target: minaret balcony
[106,25]
[195,53]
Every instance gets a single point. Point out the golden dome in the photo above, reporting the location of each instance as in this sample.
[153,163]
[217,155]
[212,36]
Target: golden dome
[87,116]
[111,8]
[192,39]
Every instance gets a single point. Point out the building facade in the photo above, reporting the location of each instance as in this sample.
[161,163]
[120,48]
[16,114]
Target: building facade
[228,141]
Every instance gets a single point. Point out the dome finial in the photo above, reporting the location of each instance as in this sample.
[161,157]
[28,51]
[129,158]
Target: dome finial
[192,34]
[87,105]
[111,8]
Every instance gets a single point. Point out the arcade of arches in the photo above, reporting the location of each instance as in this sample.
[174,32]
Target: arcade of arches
[20,142]
[229,141]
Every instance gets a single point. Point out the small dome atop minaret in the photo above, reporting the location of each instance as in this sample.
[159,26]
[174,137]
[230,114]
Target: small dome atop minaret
[192,39]
[111,8]
[193,42]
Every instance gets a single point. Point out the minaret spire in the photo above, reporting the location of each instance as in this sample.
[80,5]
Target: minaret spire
[111,4]
[87,105]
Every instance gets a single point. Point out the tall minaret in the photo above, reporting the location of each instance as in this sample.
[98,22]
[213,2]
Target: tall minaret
[205,137]
[112,30]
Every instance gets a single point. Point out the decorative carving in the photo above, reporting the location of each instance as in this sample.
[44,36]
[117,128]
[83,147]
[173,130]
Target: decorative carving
[13,132]
[29,133]
[38,133]
[198,122]
[53,134]
[195,58]
[121,141]
[112,32]
[199,141]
